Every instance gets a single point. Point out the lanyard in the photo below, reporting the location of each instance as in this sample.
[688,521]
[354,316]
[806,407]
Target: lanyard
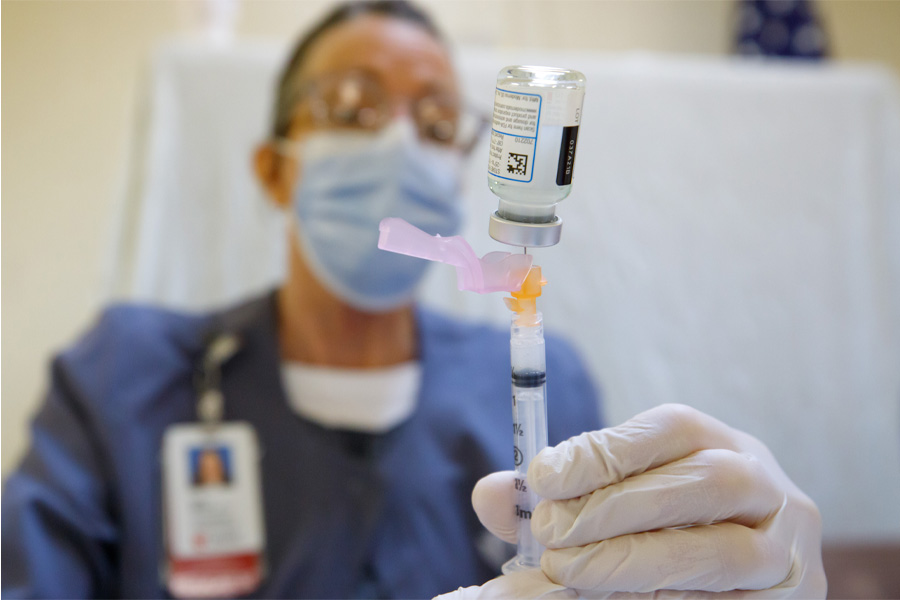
[210,400]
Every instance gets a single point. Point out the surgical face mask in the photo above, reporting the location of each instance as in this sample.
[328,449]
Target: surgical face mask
[349,182]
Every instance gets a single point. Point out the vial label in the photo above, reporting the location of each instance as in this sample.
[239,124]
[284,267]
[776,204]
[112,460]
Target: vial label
[566,155]
[514,135]
[566,113]
[563,107]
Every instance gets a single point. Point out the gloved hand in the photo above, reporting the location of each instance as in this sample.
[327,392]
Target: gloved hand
[672,499]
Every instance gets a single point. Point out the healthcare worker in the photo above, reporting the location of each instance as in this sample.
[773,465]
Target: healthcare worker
[345,427]
[350,424]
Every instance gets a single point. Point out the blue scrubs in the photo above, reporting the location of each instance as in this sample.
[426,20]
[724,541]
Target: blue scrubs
[347,514]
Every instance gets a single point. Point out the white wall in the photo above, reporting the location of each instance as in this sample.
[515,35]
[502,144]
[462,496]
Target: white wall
[69,73]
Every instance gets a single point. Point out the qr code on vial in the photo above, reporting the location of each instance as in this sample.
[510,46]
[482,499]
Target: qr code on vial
[517,164]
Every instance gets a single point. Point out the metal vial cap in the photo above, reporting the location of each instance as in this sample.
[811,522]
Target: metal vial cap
[530,235]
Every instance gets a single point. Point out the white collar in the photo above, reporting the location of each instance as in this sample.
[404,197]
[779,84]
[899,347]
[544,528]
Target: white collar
[368,400]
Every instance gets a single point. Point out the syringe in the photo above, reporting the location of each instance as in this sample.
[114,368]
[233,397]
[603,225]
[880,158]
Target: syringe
[529,404]
[537,113]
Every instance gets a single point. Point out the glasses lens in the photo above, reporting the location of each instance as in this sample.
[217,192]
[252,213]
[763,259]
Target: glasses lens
[444,121]
[437,119]
[471,126]
[350,101]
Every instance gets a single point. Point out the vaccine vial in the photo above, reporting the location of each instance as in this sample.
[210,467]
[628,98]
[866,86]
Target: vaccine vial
[537,112]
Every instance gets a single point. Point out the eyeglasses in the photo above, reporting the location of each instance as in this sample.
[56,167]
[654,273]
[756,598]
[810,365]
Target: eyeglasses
[356,100]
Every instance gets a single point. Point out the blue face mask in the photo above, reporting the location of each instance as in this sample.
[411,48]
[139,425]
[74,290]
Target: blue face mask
[349,181]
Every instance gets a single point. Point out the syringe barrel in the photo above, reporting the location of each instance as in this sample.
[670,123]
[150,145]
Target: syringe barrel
[529,429]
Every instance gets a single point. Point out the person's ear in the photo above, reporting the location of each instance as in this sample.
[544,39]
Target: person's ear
[275,174]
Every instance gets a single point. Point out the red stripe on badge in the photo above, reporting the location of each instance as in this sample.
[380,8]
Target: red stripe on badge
[215,576]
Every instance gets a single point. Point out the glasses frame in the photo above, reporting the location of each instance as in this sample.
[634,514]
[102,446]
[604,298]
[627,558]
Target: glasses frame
[469,125]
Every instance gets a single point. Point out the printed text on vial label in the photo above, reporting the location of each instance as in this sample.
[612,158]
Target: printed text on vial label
[514,135]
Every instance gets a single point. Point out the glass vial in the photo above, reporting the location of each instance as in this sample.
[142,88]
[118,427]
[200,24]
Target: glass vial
[537,112]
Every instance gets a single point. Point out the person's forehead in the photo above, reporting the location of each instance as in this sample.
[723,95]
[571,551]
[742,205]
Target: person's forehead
[402,54]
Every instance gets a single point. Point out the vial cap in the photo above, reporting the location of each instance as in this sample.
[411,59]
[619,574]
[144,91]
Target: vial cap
[528,235]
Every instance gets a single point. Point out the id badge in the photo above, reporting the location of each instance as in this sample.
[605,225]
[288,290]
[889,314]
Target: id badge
[214,533]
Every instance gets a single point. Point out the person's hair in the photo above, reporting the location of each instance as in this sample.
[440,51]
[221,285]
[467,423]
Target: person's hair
[289,81]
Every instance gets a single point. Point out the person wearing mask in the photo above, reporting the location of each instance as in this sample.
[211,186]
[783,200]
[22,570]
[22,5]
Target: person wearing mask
[374,417]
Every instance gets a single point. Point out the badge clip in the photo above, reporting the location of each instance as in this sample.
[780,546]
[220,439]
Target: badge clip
[210,401]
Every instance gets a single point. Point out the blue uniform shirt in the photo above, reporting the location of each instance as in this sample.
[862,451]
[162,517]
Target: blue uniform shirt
[387,514]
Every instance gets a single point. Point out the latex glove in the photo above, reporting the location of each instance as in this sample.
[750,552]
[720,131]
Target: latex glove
[673,499]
